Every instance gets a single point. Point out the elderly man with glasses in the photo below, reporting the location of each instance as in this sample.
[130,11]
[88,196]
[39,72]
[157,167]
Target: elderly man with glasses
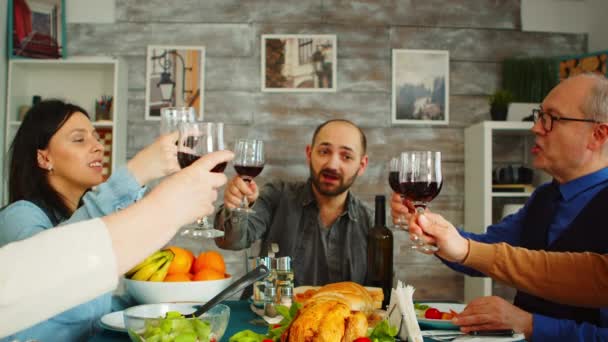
[566,214]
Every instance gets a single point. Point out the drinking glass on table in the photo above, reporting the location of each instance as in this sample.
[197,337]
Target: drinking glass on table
[195,140]
[170,117]
[248,163]
[421,180]
[393,181]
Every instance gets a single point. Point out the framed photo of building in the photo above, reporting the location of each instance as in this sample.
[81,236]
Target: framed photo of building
[175,77]
[420,87]
[298,63]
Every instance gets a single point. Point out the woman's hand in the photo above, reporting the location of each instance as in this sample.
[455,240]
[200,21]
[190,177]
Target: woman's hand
[156,160]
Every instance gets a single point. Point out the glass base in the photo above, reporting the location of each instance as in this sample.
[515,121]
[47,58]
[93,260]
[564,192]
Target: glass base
[244,210]
[423,247]
[194,231]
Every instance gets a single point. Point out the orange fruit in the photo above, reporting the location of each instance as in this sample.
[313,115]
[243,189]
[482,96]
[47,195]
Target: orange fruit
[182,261]
[208,274]
[209,260]
[178,277]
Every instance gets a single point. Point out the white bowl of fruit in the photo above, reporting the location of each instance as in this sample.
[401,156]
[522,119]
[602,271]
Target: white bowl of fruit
[176,275]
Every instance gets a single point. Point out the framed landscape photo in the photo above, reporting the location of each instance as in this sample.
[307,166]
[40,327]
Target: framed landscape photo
[420,87]
[175,77]
[298,63]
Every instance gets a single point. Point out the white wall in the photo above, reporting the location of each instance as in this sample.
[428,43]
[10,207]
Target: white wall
[568,16]
[598,40]
[3,75]
[90,11]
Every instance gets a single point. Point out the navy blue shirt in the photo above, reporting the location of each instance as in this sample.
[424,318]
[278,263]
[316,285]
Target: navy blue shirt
[575,195]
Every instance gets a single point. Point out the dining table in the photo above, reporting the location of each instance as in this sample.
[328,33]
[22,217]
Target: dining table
[241,318]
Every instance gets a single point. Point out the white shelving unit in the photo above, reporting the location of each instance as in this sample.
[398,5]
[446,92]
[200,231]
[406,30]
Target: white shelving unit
[80,81]
[479,198]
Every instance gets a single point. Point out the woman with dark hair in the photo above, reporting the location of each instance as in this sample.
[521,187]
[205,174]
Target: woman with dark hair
[56,158]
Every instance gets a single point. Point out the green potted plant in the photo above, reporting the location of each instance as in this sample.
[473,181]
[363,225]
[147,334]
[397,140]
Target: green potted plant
[499,104]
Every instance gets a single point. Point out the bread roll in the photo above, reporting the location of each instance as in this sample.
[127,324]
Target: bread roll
[352,294]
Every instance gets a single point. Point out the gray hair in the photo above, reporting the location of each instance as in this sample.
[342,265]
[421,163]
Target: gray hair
[595,105]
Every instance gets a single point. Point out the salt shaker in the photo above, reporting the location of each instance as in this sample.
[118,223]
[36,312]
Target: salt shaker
[270,292]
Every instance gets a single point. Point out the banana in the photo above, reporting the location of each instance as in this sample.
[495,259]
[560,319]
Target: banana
[152,258]
[146,272]
[161,273]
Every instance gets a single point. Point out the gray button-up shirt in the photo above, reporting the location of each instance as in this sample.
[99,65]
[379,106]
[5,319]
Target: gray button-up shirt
[287,214]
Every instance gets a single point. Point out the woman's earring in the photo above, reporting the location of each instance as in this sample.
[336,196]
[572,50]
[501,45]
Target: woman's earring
[50,168]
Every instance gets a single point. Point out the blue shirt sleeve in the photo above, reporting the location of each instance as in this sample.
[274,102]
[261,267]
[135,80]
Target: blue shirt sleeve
[552,329]
[21,220]
[507,230]
[118,192]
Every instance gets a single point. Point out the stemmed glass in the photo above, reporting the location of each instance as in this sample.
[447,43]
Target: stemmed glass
[170,117]
[248,163]
[195,140]
[421,180]
[393,181]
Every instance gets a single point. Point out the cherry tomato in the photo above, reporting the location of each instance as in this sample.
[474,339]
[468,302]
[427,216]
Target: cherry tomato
[432,313]
[362,339]
[267,340]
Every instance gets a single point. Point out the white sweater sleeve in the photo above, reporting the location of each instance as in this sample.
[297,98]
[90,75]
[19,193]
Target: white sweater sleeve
[53,271]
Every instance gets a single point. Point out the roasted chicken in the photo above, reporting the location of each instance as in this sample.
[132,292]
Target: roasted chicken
[334,313]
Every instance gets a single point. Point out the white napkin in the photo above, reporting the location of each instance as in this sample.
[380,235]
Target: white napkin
[405,303]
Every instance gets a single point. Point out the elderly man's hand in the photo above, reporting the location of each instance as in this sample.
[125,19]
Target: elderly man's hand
[434,229]
[492,313]
[401,209]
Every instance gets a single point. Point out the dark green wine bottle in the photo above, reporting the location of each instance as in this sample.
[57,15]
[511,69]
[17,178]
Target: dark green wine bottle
[380,253]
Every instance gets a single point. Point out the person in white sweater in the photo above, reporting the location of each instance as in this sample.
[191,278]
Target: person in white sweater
[59,268]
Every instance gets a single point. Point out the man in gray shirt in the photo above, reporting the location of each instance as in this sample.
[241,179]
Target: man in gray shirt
[319,223]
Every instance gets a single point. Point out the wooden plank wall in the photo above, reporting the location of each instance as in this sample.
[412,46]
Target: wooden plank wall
[478,34]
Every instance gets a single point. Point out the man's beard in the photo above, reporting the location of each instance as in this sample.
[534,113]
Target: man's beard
[342,184]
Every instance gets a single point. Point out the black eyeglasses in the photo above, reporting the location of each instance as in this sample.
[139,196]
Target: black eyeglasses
[547,119]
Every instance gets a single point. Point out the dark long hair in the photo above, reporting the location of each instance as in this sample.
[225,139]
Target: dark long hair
[28,181]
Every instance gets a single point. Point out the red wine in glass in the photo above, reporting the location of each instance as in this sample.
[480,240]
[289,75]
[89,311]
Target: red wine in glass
[393,181]
[219,168]
[197,139]
[248,163]
[421,181]
[421,192]
[186,159]
[248,172]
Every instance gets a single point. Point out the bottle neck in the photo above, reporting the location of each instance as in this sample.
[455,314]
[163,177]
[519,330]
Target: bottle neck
[380,215]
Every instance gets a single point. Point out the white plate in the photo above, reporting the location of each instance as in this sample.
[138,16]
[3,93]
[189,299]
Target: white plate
[113,321]
[442,324]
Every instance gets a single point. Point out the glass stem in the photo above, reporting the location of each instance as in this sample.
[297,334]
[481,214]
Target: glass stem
[244,202]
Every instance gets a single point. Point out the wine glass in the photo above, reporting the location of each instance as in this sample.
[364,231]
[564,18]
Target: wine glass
[195,140]
[393,181]
[248,163]
[421,180]
[170,117]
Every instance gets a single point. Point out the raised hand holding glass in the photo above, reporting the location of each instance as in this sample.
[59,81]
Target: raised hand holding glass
[421,180]
[195,140]
[248,163]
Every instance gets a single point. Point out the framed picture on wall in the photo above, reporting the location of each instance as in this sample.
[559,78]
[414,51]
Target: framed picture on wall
[175,77]
[421,87]
[590,62]
[38,28]
[299,63]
